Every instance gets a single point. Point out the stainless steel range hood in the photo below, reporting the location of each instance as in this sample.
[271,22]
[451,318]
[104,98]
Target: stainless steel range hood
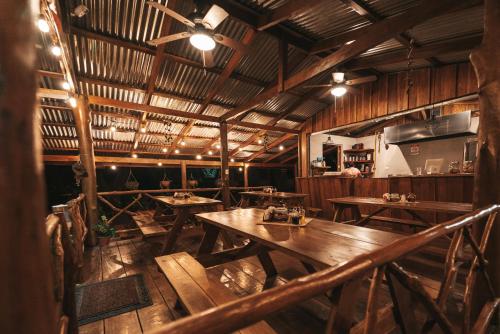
[455,125]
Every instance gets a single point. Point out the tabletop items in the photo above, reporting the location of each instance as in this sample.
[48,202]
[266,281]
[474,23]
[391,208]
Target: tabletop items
[395,197]
[182,195]
[294,216]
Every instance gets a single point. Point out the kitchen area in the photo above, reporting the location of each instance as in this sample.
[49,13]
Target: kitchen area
[429,153]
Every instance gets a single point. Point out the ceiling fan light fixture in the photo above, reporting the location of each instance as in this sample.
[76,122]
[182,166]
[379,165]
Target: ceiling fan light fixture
[202,41]
[338,77]
[338,91]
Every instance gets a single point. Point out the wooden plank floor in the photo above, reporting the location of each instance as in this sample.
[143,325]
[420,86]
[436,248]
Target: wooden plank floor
[243,277]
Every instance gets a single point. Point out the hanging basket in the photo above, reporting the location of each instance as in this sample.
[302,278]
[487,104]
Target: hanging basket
[131,183]
[192,184]
[165,182]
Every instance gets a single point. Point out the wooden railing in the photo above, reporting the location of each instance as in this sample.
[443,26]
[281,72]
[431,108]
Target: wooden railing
[403,286]
[137,197]
[66,244]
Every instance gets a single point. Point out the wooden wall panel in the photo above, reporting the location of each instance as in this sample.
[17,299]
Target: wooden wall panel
[420,92]
[379,96]
[444,83]
[389,94]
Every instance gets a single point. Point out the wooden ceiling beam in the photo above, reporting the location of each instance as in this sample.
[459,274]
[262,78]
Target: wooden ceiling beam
[430,50]
[280,153]
[168,56]
[263,127]
[284,12]
[371,36]
[290,158]
[275,143]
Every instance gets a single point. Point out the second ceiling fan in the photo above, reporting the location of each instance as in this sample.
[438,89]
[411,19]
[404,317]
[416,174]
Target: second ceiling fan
[339,86]
[200,30]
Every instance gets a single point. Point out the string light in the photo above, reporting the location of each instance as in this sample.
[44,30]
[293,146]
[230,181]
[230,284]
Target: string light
[282,147]
[177,151]
[143,129]
[134,156]
[217,146]
[183,143]
[232,159]
[65,85]
[72,102]
[43,25]
[160,164]
[56,50]
[165,150]
[198,157]
[113,128]
[113,167]
[210,152]
[259,141]
[240,169]
[240,149]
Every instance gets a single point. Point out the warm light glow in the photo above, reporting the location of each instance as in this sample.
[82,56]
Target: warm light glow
[160,164]
[202,41]
[165,150]
[56,51]
[113,128]
[143,130]
[240,149]
[282,147]
[217,146]
[232,160]
[210,152]
[72,102]
[198,157]
[240,169]
[65,85]
[113,167]
[183,143]
[177,151]
[134,155]
[259,141]
[43,25]
[338,91]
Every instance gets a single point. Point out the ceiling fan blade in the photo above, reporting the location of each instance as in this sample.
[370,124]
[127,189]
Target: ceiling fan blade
[169,38]
[362,80]
[215,16]
[208,59]
[171,13]
[230,43]
[317,86]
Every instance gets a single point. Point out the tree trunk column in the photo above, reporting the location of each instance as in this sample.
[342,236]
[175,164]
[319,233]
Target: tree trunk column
[224,156]
[487,176]
[26,291]
[89,185]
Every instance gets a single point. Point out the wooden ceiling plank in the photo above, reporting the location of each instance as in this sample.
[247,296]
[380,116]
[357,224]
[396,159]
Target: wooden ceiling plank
[280,153]
[373,35]
[284,12]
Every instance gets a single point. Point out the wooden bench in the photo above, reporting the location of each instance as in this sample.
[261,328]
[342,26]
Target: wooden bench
[402,221]
[148,226]
[196,290]
[314,212]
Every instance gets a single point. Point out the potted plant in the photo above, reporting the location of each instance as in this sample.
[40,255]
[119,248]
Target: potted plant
[104,232]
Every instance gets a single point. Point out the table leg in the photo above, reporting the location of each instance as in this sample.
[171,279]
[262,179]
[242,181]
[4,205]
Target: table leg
[309,267]
[209,239]
[338,209]
[269,268]
[173,234]
[356,213]
[341,319]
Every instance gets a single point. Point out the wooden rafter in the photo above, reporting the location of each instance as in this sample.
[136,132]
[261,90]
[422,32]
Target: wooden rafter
[284,12]
[370,36]
[290,158]
[280,153]
[275,143]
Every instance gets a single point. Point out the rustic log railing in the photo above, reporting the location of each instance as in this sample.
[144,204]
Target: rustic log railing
[66,231]
[403,286]
[138,195]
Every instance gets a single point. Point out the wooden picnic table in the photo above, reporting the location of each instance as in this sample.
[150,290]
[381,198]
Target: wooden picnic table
[318,245]
[183,209]
[288,198]
[412,208]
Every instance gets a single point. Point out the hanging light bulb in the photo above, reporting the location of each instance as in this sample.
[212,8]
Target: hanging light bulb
[113,167]
[210,153]
[177,151]
[143,129]
[43,25]
[202,41]
[164,150]
[112,128]
[56,50]
[198,157]
[183,143]
[217,146]
[72,102]
[232,159]
[240,169]
[281,147]
[134,155]
[338,91]
[160,164]
[240,149]
[259,141]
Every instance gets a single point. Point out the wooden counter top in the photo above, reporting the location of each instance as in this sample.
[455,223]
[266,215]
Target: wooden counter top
[393,176]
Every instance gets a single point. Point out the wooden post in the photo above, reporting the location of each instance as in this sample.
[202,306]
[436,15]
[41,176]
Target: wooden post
[245,175]
[487,176]
[303,156]
[224,156]
[183,175]
[81,114]
[28,301]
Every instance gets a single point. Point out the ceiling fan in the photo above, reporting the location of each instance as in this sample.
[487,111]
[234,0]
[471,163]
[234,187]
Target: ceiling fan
[200,30]
[339,86]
